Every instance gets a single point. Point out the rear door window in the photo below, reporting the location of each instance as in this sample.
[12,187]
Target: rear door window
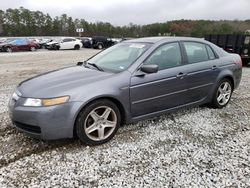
[196,52]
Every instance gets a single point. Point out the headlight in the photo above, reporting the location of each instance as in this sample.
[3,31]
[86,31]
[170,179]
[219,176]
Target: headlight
[32,102]
[45,102]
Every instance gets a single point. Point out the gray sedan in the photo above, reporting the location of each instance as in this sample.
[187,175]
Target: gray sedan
[128,82]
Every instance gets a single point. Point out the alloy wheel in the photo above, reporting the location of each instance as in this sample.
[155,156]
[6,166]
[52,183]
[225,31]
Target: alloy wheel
[9,50]
[224,93]
[32,48]
[100,123]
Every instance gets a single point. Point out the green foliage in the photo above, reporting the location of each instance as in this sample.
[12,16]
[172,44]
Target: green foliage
[23,22]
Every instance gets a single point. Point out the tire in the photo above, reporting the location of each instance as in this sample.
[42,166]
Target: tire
[8,49]
[32,49]
[222,94]
[57,48]
[100,46]
[98,122]
[77,47]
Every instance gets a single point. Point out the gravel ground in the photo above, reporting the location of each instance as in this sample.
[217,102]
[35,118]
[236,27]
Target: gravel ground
[198,147]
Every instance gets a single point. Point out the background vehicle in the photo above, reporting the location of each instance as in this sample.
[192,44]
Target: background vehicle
[43,42]
[233,43]
[87,43]
[83,39]
[100,42]
[18,44]
[65,43]
[2,40]
[128,82]
[53,45]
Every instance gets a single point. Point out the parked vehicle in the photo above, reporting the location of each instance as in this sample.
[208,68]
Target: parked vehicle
[43,43]
[87,43]
[65,44]
[2,40]
[18,44]
[100,42]
[53,45]
[128,82]
[233,43]
[83,39]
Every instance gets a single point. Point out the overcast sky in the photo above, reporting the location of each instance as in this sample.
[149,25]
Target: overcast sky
[123,12]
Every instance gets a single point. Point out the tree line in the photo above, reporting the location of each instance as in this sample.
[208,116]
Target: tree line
[24,22]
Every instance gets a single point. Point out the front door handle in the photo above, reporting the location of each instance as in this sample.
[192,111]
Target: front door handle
[214,67]
[180,75]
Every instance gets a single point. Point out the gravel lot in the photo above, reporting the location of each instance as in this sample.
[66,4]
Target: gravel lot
[198,147]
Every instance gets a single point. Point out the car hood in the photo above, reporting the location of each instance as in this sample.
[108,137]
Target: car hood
[60,82]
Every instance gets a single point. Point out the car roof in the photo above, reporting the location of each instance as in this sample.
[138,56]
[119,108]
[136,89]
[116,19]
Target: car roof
[166,39]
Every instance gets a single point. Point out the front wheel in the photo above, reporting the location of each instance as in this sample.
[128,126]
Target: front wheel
[100,46]
[32,49]
[8,49]
[222,94]
[98,122]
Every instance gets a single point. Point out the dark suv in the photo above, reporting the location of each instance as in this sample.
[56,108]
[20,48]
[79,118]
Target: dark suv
[100,42]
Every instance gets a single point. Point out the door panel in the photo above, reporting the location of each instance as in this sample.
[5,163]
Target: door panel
[202,70]
[157,91]
[162,90]
[200,79]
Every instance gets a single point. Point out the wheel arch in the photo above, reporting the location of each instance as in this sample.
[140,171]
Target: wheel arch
[119,105]
[77,45]
[228,74]
[229,77]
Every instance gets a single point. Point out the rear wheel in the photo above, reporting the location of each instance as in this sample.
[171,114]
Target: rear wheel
[222,94]
[77,47]
[98,122]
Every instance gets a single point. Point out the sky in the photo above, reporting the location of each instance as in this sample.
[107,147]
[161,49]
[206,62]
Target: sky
[123,12]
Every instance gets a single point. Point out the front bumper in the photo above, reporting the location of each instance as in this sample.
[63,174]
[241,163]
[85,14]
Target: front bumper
[47,123]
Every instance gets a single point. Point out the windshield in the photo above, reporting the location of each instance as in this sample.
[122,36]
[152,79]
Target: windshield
[119,57]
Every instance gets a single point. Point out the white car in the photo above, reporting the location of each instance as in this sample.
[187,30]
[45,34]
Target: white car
[65,43]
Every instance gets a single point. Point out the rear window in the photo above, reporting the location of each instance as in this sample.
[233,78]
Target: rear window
[210,52]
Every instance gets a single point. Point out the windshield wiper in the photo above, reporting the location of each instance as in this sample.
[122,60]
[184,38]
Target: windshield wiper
[96,66]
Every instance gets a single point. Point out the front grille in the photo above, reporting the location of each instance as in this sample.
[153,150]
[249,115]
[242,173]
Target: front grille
[29,128]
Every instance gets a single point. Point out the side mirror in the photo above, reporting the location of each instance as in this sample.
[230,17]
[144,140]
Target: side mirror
[149,68]
[80,63]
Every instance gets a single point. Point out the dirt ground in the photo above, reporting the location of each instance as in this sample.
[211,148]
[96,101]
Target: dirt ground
[200,147]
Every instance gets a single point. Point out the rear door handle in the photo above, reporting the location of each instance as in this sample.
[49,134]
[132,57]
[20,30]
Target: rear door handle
[214,67]
[180,75]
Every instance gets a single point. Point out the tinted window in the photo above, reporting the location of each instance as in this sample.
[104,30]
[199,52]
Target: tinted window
[210,52]
[196,52]
[166,56]
[67,40]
